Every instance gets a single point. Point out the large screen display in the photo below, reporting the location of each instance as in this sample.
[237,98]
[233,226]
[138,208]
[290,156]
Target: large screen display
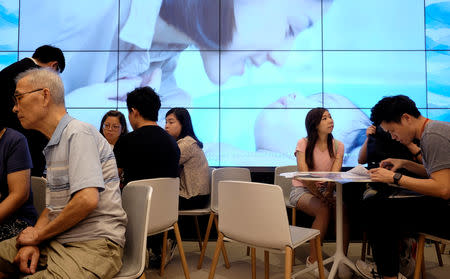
[247,70]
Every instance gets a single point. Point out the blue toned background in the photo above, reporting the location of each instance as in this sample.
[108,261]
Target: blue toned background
[358,52]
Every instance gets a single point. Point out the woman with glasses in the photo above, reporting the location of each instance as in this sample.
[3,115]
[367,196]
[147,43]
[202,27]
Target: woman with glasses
[113,126]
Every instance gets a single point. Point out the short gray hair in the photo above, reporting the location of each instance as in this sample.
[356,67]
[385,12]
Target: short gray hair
[47,78]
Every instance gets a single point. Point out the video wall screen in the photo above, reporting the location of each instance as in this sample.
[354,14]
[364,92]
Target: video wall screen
[247,70]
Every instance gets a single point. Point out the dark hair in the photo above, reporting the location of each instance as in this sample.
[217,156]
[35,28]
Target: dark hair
[146,101]
[122,120]
[48,53]
[312,120]
[200,20]
[183,116]
[391,109]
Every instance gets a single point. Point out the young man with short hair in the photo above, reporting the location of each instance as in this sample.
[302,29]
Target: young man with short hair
[390,219]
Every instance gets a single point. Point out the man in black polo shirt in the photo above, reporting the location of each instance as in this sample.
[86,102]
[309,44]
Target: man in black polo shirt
[147,152]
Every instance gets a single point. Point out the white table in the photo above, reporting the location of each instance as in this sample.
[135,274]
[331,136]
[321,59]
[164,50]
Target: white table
[339,178]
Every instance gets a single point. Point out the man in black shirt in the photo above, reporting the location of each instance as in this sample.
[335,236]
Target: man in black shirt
[44,56]
[149,151]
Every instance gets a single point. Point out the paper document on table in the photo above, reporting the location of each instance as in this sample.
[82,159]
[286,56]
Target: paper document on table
[358,175]
[359,170]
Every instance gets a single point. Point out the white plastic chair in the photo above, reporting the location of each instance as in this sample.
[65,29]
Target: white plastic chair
[254,214]
[39,188]
[286,185]
[237,174]
[199,212]
[164,213]
[136,202]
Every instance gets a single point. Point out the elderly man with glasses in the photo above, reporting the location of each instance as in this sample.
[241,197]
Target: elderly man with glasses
[81,232]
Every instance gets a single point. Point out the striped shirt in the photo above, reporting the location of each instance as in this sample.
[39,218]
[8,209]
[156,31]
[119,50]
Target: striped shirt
[79,157]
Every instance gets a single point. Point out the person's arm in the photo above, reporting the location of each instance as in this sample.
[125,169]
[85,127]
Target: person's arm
[362,156]
[311,185]
[415,151]
[337,166]
[438,185]
[79,207]
[186,151]
[19,190]
[395,164]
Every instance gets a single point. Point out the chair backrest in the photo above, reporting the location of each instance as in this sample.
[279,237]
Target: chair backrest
[283,182]
[136,201]
[39,188]
[254,213]
[236,174]
[164,207]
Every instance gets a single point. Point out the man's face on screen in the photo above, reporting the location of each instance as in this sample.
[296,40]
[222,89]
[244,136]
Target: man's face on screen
[265,30]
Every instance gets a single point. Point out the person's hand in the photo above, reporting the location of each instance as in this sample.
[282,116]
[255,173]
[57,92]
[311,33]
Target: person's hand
[392,164]
[153,79]
[27,259]
[382,175]
[29,236]
[371,130]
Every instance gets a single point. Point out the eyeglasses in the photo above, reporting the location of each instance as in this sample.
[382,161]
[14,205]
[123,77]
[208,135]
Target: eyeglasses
[18,96]
[111,127]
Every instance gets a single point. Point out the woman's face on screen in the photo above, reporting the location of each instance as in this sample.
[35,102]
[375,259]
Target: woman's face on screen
[262,27]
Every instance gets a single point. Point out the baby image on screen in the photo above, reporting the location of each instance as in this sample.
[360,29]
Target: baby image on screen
[113,49]
[284,122]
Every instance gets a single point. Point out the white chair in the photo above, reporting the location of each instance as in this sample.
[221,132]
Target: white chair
[39,188]
[286,185]
[164,214]
[237,174]
[254,214]
[136,203]
[198,212]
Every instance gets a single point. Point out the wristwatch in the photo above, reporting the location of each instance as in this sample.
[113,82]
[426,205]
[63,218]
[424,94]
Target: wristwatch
[397,177]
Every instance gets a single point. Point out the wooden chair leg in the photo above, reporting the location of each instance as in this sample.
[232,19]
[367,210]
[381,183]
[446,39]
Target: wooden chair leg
[423,266]
[294,216]
[364,246]
[181,250]
[199,236]
[248,250]
[205,241]
[438,253]
[266,265]
[419,256]
[288,262]
[216,256]
[224,251]
[319,258]
[253,252]
[163,254]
